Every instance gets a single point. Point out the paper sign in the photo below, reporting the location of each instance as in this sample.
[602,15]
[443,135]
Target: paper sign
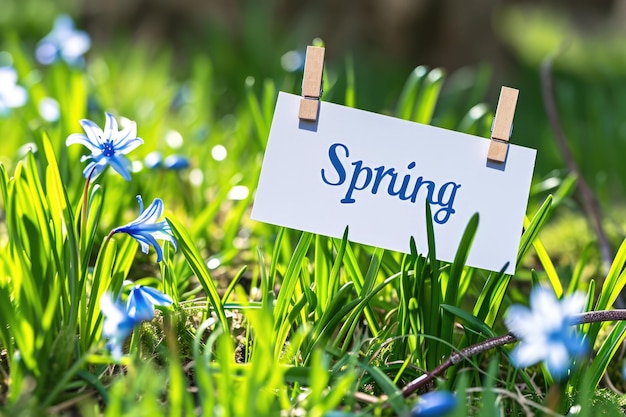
[373,173]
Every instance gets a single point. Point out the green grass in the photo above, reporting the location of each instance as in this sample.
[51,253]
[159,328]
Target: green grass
[266,321]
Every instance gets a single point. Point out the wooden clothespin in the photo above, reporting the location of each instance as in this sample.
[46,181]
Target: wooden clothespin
[502,124]
[312,83]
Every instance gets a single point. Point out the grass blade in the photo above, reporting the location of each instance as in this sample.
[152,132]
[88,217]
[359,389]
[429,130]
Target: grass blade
[198,266]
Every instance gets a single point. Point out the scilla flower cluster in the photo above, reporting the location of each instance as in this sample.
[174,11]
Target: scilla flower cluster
[109,147]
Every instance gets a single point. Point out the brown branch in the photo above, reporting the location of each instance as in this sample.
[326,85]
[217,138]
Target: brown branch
[589,201]
[466,353]
[455,358]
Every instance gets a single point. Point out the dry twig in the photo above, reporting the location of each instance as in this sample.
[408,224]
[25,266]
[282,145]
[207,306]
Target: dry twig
[494,342]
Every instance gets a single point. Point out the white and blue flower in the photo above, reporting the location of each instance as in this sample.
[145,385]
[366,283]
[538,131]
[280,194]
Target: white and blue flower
[176,162]
[63,42]
[12,95]
[546,333]
[107,147]
[146,229]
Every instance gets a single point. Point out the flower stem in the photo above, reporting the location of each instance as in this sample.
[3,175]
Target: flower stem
[554,398]
[466,353]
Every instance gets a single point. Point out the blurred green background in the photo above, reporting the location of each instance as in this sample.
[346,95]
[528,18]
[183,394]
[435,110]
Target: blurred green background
[385,40]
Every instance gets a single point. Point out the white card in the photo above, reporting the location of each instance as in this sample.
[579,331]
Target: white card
[373,173]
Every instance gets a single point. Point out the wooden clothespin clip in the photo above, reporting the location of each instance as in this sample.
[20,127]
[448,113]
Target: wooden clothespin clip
[502,124]
[312,83]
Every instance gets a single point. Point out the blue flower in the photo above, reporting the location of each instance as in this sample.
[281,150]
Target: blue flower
[141,302]
[292,61]
[434,404]
[11,94]
[118,324]
[147,230]
[120,320]
[108,147]
[153,160]
[546,332]
[63,42]
[176,162]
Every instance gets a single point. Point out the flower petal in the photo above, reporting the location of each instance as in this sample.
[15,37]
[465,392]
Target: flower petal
[573,305]
[116,324]
[575,343]
[434,404]
[110,127]
[543,300]
[156,297]
[157,249]
[151,213]
[146,240]
[528,354]
[121,165]
[145,247]
[74,46]
[138,306]
[546,309]
[79,138]
[558,360]
[129,145]
[46,52]
[93,131]
[113,315]
[160,235]
[94,168]
[519,321]
[129,132]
